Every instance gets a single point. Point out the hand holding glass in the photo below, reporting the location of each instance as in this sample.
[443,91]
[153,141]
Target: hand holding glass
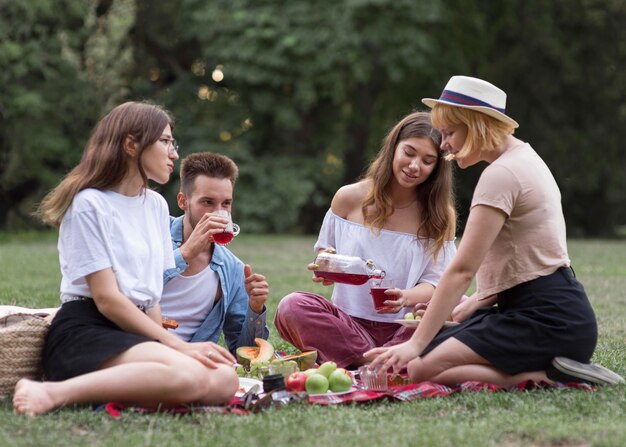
[378,286]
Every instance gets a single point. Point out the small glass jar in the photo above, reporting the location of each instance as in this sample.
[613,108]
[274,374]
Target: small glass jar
[273,382]
[274,385]
[373,378]
[285,368]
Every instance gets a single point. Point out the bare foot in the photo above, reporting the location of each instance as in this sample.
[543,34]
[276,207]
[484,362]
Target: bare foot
[32,398]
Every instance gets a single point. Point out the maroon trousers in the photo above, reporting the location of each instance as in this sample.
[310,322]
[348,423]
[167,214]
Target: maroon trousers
[311,322]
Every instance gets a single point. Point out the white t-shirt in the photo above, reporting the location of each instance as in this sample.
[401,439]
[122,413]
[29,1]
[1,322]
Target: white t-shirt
[130,235]
[189,299]
[403,256]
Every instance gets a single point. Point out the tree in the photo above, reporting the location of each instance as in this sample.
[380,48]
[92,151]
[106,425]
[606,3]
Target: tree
[61,64]
[563,64]
[301,93]
[308,91]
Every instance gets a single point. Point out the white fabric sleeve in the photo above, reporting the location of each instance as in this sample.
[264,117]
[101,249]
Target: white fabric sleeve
[87,246]
[168,254]
[434,270]
[326,236]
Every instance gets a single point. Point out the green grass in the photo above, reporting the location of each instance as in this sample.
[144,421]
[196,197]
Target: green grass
[30,276]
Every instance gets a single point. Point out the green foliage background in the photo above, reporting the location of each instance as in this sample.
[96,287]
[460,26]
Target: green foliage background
[309,89]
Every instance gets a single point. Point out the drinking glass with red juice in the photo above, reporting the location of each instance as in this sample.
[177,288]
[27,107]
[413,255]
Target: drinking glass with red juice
[231,230]
[378,286]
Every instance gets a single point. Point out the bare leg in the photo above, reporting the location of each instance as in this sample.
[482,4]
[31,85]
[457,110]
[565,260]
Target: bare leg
[488,374]
[148,375]
[453,362]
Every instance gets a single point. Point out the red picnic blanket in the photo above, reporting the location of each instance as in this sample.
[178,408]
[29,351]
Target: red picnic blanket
[400,393]
[407,393]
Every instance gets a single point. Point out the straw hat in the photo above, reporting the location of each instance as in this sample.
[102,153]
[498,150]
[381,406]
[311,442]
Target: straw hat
[474,94]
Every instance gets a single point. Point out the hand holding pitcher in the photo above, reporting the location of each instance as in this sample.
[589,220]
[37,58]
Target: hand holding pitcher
[331,267]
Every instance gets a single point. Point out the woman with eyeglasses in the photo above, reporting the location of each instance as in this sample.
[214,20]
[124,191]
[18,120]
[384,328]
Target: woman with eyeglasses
[106,342]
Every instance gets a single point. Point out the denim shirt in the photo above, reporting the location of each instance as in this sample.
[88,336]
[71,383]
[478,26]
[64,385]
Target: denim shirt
[232,313]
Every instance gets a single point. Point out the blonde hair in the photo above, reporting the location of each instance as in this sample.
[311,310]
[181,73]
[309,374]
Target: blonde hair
[105,162]
[435,197]
[484,133]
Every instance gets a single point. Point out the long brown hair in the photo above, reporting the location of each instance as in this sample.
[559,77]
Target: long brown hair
[104,162]
[435,197]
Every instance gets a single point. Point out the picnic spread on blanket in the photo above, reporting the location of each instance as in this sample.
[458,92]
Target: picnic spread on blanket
[272,379]
[255,403]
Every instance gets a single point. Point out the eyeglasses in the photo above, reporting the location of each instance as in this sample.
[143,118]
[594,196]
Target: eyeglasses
[170,144]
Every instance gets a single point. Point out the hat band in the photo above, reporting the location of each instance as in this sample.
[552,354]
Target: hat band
[458,98]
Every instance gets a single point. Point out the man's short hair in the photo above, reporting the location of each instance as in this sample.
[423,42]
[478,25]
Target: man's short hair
[206,163]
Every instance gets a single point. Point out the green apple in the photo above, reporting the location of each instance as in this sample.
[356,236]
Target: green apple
[316,384]
[339,381]
[409,316]
[327,368]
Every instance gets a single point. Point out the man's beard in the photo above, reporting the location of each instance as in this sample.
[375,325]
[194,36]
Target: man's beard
[192,220]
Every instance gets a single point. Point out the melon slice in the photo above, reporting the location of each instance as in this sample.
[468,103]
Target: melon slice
[305,360]
[262,352]
[245,354]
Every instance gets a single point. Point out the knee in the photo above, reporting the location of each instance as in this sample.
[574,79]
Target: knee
[221,384]
[227,381]
[290,306]
[416,370]
[185,377]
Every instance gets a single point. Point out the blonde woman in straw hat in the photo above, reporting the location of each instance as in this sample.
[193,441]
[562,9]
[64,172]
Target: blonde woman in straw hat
[106,342]
[529,318]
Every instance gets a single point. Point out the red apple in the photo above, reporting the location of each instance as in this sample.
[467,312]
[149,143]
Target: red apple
[296,381]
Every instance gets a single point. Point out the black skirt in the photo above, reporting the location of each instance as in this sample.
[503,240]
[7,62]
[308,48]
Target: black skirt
[532,323]
[81,339]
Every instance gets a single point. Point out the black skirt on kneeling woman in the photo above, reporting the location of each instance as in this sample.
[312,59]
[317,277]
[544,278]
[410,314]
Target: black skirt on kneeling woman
[81,339]
[532,323]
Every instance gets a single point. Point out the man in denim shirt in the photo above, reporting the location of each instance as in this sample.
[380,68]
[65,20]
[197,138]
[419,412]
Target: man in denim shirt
[211,290]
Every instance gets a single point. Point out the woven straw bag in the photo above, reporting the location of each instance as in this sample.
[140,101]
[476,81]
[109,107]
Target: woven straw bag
[22,338]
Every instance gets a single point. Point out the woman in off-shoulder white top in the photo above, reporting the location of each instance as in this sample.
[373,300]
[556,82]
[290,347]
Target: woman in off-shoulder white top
[401,215]
[405,258]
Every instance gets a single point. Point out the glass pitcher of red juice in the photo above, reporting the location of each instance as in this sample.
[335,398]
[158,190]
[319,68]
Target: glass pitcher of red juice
[346,269]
